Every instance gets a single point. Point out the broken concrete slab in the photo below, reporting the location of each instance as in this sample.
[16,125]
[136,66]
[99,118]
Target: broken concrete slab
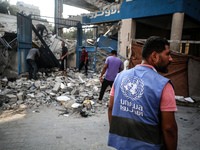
[20,96]
[11,97]
[56,88]
[37,84]
[43,87]
[63,98]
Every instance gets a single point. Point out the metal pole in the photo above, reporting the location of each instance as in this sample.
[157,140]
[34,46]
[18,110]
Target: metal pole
[55,16]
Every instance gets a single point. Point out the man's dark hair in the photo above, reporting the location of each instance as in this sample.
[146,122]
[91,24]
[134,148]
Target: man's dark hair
[82,47]
[154,43]
[114,52]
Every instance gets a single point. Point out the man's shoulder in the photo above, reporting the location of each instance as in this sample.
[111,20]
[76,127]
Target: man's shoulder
[118,59]
[109,57]
[65,48]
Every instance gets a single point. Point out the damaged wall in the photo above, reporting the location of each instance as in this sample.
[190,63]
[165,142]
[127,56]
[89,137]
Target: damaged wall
[9,58]
[8,34]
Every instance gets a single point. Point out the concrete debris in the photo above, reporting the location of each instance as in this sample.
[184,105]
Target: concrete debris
[76,105]
[11,97]
[182,99]
[20,96]
[189,99]
[63,98]
[75,92]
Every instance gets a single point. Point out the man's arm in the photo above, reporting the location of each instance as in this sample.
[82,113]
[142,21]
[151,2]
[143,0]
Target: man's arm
[64,56]
[169,128]
[110,108]
[38,52]
[103,71]
[86,57]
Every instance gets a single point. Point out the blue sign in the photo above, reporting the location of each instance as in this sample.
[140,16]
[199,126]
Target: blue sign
[145,8]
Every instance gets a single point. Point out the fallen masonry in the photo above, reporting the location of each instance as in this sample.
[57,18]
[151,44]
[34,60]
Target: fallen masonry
[75,93]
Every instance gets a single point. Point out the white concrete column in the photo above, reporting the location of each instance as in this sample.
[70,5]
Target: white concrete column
[176,31]
[127,33]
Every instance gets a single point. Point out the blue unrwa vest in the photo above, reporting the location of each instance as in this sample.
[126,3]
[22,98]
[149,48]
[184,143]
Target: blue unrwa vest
[135,123]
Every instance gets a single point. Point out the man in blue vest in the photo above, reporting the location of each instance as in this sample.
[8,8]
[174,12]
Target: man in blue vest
[142,103]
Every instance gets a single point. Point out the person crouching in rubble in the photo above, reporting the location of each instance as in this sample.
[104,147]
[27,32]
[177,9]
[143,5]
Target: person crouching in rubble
[30,59]
[40,28]
[64,58]
[84,60]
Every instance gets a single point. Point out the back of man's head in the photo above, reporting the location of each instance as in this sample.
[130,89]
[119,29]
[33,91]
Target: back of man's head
[114,52]
[154,43]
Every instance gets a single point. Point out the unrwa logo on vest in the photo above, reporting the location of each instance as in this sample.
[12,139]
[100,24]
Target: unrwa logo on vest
[132,87]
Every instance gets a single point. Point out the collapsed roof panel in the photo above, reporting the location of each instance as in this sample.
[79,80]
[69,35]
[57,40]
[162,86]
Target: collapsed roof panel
[46,59]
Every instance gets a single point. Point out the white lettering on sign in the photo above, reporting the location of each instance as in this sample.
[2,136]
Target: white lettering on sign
[131,107]
[105,13]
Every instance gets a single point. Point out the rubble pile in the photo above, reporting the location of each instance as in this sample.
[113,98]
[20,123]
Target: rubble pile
[74,92]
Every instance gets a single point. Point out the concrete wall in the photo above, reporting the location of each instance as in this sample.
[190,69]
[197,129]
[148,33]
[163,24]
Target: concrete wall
[127,32]
[71,60]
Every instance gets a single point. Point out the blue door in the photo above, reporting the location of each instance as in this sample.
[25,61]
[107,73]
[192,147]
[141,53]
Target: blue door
[84,39]
[24,38]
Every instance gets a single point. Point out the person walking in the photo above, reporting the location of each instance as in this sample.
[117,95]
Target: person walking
[142,103]
[64,58]
[112,66]
[30,59]
[84,60]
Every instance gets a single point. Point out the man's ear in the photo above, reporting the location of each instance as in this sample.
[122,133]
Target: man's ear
[155,57]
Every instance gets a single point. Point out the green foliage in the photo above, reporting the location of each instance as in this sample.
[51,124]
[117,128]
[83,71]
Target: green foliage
[4,5]
[13,10]
[5,8]
[72,34]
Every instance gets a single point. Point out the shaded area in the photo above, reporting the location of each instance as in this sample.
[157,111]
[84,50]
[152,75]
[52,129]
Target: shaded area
[46,59]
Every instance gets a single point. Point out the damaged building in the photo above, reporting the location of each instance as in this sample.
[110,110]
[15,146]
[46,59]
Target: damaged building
[126,22]
[122,25]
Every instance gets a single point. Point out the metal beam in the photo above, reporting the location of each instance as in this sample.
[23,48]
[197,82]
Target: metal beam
[81,4]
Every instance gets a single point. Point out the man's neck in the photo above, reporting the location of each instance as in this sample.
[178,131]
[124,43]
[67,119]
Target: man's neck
[144,62]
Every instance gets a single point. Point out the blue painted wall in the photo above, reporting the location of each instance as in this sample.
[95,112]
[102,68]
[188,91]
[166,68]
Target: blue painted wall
[192,8]
[146,8]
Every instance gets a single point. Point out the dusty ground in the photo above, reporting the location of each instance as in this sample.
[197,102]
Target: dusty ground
[47,128]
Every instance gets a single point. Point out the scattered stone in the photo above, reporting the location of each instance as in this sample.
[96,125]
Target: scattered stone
[43,87]
[37,84]
[76,105]
[63,98]
[11,97]
[20,96]
[54,90]
[56,87]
